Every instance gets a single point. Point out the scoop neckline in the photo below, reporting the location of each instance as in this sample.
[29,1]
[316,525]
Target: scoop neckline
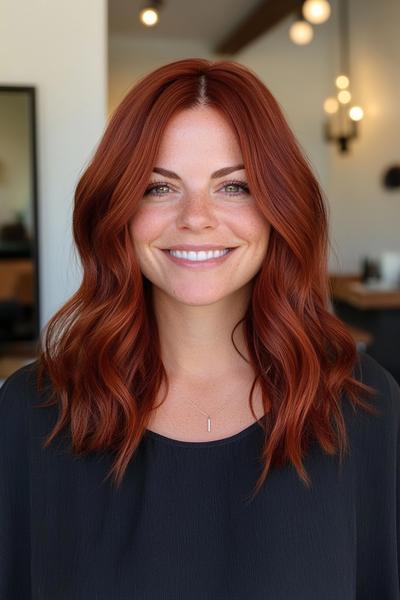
[205,444]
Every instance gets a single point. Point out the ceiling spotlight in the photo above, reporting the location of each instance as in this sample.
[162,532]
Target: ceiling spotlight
[316,11]
[149,15]
[301,33]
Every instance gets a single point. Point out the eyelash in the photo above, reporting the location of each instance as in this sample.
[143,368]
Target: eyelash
[242,184]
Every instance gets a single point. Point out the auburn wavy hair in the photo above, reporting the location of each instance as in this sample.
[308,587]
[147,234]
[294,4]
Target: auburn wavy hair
[101,350]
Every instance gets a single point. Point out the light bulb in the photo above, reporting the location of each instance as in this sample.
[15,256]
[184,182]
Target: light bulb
[149,16]
[331,105]
[316,11]
[344,97]
[342,82]
[301,33]
[356,113]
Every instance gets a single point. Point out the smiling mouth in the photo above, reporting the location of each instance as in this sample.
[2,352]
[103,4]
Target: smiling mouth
[200,249]
[210,257]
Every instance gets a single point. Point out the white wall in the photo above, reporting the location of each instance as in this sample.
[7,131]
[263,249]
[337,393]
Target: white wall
[133,57]
[61,48]
[365,216]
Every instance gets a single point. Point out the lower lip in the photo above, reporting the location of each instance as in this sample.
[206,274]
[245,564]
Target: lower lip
[197,264]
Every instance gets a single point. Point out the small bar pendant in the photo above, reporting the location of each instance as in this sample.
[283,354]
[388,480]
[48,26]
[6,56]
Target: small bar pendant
[209,424]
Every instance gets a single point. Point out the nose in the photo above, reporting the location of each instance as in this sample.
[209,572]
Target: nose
[196,212]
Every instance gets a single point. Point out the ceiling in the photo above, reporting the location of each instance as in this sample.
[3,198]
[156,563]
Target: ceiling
[225,24]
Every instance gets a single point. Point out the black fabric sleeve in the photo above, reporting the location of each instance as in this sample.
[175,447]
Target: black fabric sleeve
[14,489]
[395,391]
[381,452]
[394,397]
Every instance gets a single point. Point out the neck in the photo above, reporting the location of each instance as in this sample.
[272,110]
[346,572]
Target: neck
[196,340]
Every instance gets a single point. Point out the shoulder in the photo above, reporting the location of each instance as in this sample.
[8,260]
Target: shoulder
[15,397]
[372,373]
[18,386]
[17,393]
[382,427]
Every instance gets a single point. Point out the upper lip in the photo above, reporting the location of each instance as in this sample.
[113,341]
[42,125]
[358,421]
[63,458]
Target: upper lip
[196,248]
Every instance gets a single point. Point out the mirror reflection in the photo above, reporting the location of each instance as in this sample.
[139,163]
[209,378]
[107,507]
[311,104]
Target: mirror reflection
[18,235]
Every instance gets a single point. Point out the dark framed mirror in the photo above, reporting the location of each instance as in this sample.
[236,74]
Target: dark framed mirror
[19,272]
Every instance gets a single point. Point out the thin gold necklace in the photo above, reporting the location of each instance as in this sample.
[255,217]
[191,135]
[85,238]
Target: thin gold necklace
[206,414]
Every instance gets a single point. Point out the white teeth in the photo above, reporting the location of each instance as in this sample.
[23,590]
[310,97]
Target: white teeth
[198,256]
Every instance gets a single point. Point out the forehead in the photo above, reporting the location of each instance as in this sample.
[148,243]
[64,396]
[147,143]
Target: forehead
[201,131]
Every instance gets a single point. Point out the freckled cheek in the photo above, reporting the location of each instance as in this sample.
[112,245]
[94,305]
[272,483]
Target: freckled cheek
[147,227]
[253,229]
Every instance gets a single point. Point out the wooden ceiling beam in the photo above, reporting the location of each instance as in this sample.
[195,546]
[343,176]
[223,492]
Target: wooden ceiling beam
[265,16]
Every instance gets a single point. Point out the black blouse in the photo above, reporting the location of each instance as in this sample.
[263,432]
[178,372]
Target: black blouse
[179,528]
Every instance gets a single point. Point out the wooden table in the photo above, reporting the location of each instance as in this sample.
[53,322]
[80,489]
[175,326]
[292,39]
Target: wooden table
[352,290]
[375,312]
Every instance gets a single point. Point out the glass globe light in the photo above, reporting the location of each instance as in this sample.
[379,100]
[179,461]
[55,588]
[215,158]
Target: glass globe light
[331,105]
[316,11]
[149,16]
[342,82]
[344,96]
[301,33]
[356,113]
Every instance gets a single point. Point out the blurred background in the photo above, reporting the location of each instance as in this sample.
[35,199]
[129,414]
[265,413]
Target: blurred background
[333,67]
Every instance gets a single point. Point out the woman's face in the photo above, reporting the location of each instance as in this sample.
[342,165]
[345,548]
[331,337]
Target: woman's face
[192,205]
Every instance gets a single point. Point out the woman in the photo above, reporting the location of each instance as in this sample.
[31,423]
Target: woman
[194,426]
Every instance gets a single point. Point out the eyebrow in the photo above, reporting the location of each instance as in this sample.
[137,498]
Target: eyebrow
[220,173]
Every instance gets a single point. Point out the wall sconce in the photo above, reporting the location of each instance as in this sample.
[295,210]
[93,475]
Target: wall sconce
[341,124]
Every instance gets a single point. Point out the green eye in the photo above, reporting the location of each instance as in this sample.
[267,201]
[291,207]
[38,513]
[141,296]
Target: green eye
[244,189]
[154,186]
[240,184]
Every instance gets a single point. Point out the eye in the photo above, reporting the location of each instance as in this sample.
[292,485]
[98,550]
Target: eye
[238,184]
[244,189]
[151,189]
